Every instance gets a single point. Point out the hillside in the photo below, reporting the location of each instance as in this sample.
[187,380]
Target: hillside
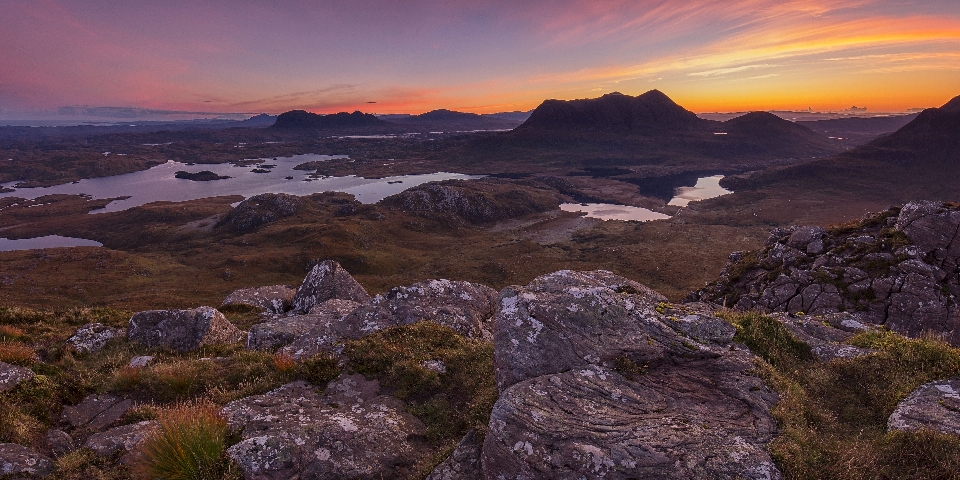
[303,120]
[444,119]
[858,131]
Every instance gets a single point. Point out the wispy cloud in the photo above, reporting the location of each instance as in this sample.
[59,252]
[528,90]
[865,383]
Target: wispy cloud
[729,70]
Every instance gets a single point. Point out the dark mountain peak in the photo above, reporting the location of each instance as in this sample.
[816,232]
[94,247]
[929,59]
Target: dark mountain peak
[300,119]
[765,123]
[444,114]
[953,106]
[755,117]
[613,113]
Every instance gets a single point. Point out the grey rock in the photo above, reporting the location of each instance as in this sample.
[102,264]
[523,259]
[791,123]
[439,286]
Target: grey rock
[272,299]
[825,334]
[463,463]
[434,365]
[463,306]
[296,432]
[19,461]
[58,442]
[12,375]
[803,237]
[182,330]
[140,361]
[259,210]
[327,281]
[326,331]
[92,337]
[96,412]
[125,437]
[934,406]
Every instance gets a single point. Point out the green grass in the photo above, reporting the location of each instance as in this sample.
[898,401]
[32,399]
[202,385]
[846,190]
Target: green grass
[188,444]
[832,415]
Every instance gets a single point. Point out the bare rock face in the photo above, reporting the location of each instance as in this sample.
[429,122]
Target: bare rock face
[92,337]
[96,412]
[463,463]
[347,432]
[600,378]
[19,462]
[462,306]
[272,299]
[12,375]
[327,281]
[826,334]
[325,331]
[934,406]
[182,330]
[125,437]
[259,210]
[899,268]
[58,442]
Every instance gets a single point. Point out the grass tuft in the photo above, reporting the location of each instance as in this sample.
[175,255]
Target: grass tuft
[188,444]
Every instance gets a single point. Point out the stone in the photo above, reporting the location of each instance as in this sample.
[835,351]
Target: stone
[92,337]
[296,432]
[96,412]
[327,281]
[58,442]
[803,236]
[463,463]
[272,299]
[140,361]
[12,375]
[825,335]
[19,461]
[259,210]
[183,330]
[434,365]
[125,438]
[463,306]
[933,406]
[319,330]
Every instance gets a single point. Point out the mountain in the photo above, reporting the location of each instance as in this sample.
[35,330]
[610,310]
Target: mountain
[763,133]
[444,119]
[857,131]
[258,121]
[302,120]
[614,112]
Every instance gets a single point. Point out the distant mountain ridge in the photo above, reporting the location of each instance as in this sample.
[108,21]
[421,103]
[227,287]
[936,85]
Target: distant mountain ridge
[303,120]
[613,113]
[444,119]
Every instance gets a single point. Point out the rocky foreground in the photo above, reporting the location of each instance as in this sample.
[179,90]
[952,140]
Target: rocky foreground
[596,376]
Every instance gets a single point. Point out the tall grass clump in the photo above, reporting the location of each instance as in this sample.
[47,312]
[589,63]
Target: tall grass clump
[188,444]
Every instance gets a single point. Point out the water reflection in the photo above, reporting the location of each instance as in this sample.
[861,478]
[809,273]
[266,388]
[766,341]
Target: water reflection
[49,241]
[608,211]
[706,187]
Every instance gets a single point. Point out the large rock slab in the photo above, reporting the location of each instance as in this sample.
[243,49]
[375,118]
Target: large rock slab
[318,330]
[350,432]
[463,306]
[272,299]
[933,406]
[123,438]
[92,337]
[463,463]
[183,330]
[826,334]
[12,375]
[96,412]
[260,210]
[19,461]
[327,281]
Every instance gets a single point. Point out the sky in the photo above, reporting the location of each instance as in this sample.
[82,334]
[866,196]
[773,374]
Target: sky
[205,58]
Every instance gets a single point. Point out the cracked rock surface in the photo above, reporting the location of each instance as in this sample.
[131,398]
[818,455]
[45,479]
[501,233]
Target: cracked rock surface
[327,281]
[934,406]
[183,330]
[271,299]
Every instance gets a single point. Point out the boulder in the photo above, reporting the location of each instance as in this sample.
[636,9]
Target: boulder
[933,406]
[19,461]
[12,375]
[600,377]
[826,334]
[327,281]
[182,330]
[272,299]
[325,330]
[259,210]
[92,337]
[125,438]
[348,432]
[463,306]
[140,361]
[463,463]
[96,412]
[58,442]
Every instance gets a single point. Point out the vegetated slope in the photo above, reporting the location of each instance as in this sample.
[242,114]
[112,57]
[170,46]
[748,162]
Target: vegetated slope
[444,119]
[857,131]
[921,160]
[303,120]
[649,129]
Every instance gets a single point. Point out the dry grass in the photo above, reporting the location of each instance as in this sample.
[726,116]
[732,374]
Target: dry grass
[188,444]
[17,353]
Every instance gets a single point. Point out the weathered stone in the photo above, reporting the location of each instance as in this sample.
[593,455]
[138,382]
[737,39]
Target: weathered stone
[934,406]
[259,210]
[325,330]
[296,432]
[96,412]
[92,337]
[823,335]
[463,463]
[272,299]
[140,361]
[802,237]
[12,375]
[58,442]
[327,281]
[463,306]
[182,330]
[435,365]
[125,437]
[19,461]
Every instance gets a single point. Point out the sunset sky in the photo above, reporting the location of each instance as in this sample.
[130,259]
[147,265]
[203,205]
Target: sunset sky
[211,57]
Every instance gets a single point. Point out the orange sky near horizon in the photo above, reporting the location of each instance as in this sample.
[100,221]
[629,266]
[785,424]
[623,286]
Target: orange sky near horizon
[203,58]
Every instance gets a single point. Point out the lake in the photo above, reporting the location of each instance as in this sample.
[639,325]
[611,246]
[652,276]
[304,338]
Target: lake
[706,187]
[159,183]
[49,241]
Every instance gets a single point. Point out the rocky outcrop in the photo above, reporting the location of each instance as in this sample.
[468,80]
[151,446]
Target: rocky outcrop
[272,299]
[463,463]
[318,330]
[22,462]
[58,442]
[826,334]
[463,306]
[349,431]
[259,210]
[12,375]
[123,438]
[596,382]
[92,337]
[182,330]
[96,412]
[933,406]
[327,281]
[899,269]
